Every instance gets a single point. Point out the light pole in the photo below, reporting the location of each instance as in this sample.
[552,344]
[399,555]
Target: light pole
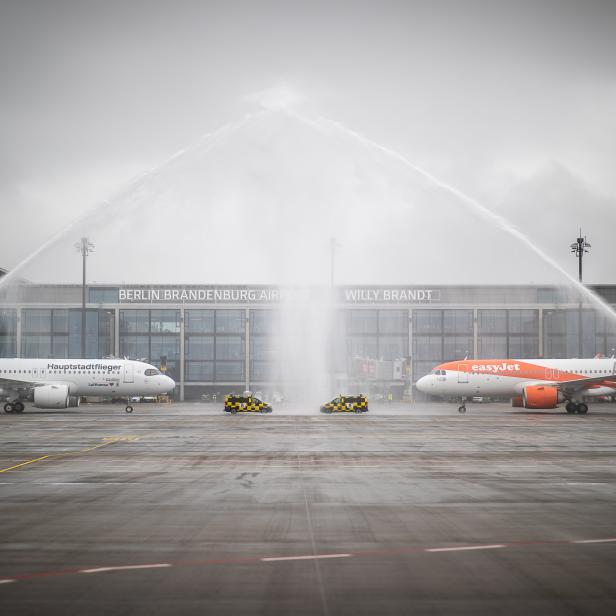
[85,247]
[333,244]
[579,247]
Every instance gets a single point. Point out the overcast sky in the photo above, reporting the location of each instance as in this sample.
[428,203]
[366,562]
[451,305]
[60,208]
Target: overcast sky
[514,102]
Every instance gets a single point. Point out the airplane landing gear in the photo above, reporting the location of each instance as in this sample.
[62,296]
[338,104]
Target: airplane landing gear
[129,408]
[576,407]
[462,407]
[8,408]
[18,407]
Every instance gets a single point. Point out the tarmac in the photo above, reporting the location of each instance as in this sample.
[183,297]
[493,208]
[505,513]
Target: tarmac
[408,509]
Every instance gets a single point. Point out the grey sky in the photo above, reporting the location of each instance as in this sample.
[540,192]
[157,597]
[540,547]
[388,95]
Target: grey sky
[515,102]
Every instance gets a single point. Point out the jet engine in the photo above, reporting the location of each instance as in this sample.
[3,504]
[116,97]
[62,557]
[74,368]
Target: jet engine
[74,400]
[517,401]
[51,397]
[541,397]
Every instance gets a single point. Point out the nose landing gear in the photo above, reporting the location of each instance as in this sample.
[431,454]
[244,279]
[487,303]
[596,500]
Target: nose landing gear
[462,407]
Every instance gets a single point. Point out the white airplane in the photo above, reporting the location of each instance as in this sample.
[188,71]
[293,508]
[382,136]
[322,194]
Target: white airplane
[531,383]
[59,383]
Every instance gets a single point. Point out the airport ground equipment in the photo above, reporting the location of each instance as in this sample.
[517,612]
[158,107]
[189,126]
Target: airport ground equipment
[346,404]
[245,404]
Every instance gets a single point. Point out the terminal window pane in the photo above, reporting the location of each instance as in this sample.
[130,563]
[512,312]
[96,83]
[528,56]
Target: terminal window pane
[199,347]
[60,321]
[60,347]
[421,368]
[428,347]
[555,347]
[230,321]
[229,371]
[457,347]
[492,347]
[458,321]
[229,347]
[8,346]
[523,347]
[393,321]
[523,322]
[8,322]
[262,348]
[36,345]
[263,321]
[199,321]
[134,321]
[554,322]
[428,321]
[262,371]
[492,321]
[36,321]
[102,295]
[361,321]
[165,321]
[167,346]
[199,370]
[362,346]
[392,347]
[135,347]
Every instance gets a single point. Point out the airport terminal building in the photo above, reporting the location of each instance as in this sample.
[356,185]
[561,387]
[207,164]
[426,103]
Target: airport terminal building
[213,339]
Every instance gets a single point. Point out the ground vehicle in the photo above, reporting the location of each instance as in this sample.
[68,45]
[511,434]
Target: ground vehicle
[245,404]
[346,404]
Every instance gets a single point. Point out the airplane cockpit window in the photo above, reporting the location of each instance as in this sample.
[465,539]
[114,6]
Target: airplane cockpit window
[151,372]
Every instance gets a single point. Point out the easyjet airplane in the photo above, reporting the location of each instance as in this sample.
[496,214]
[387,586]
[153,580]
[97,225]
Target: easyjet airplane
[531,383]
[59,383]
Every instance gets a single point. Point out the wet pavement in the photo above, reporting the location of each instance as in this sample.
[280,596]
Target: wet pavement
[409,509]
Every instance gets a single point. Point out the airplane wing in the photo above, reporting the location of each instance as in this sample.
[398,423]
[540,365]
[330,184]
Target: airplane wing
[15,384]
[579,384]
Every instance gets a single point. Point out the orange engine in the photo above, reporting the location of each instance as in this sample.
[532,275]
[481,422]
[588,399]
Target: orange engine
[517,401]
[541,397]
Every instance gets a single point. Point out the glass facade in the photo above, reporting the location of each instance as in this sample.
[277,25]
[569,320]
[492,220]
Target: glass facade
[56,333]
[439,336]
[560,334]
[377,334]
[214,345]
[8,333]
[228,347]
[507,333]
[153,336]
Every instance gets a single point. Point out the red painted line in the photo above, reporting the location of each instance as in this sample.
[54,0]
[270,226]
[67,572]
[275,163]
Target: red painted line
[125,567]
[257,559]
[467,547]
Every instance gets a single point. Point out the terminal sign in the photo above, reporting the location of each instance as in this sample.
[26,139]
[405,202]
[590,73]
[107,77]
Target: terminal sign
[398,295]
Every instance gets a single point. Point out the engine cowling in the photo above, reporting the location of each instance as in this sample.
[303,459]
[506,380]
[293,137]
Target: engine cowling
[51,397]
[541,397]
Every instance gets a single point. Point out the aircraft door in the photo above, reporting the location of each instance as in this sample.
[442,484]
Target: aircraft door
[128,373]
[462,374]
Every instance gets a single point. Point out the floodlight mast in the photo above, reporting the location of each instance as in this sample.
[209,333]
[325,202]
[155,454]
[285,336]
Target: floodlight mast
[85,247]
[579,247]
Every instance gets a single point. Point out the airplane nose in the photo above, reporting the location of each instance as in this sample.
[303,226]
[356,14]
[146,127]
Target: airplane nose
[423,383]
[168,383]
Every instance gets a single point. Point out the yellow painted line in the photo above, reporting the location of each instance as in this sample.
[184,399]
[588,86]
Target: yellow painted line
[10,468]
[107,441]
